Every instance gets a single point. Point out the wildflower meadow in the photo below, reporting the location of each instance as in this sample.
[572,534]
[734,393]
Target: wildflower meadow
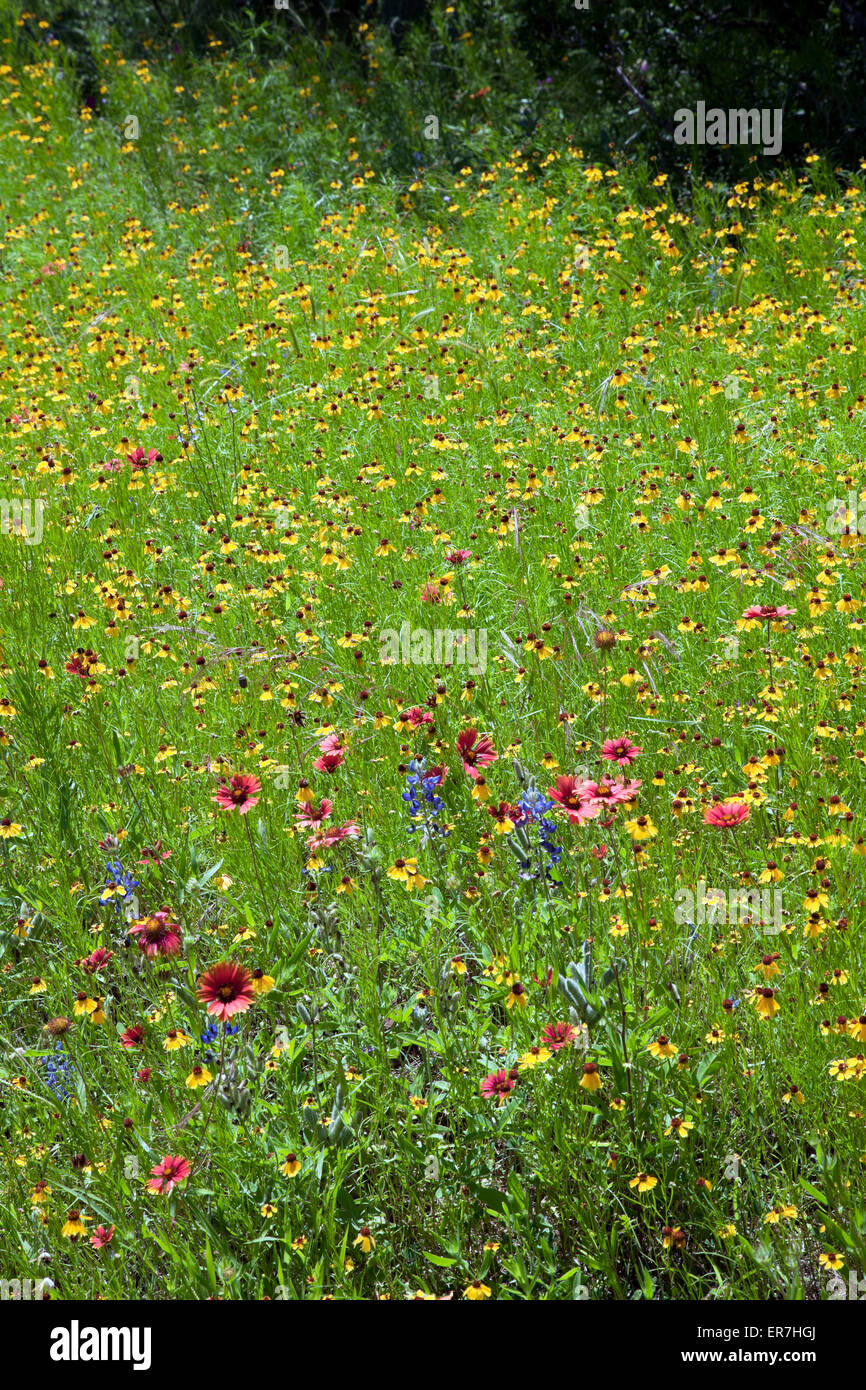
[432,737]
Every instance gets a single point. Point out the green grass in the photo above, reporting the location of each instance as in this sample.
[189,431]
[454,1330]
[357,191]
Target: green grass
[599,391]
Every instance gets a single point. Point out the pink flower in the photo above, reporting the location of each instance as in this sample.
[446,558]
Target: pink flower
[241,794]
[620,750]
[311,816]
[613,792]
[726,814]
[154,855]
[329,762]
[576,798]
[138,460]
[133,1037]
[768,613]
[557,1035]
[458,557]
[499,1083]
[333,836]
[97,960]
[168,1174]
[157,934]
[102,1237]
[476,751]
[226,989]
[417,716]
[331,743]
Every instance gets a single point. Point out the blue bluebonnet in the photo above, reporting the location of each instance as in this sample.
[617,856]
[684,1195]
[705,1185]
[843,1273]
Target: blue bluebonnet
[211,1033]
[116,878]
[57,1072]
[534,806]
[421,788]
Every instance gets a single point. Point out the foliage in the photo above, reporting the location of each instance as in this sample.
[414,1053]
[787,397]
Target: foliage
[268,401]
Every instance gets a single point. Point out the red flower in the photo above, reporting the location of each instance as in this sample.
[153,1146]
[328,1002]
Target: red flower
[417,716]
[168,1174]
[333,836]
[311,816]
[157,935]
[476,751]
[97,960]
[577,798]
[226,989]
[613,791]
[499,1083]
[133,1037]
[557,1035]
[726,814]
[768,613]
[102,1237]
[620,750]
[331,743]
[329,762]
[154,855]
[139,460]
[241,794]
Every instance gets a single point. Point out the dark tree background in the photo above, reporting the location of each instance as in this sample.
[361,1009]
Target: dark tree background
[612,74]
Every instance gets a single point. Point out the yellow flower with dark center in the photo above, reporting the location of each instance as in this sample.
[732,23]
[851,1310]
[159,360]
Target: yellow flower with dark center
[641,828]
[786,1212]
[405,871]
[662,1046]
[673,1237]
[199,1076]
[766,1002]
[74,1225]
[644,1182]
[533,1058]
[591,1079]
[830,1260]
[475,1291]
[843,1070]
[517,996]
[794,1094]
[680,1128]
[364,1238]
[292,1165]
[768,966]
